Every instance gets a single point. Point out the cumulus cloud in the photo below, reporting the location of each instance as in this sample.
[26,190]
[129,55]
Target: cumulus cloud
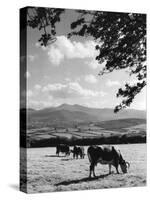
[38,104]
[37,87]
[38,45]
[67,79]
[69,90]
[29,93]
[102,93]
[92,64]
[90,78]
[55,94]
[55,55]
[111,83]
[133,81]
[65,48]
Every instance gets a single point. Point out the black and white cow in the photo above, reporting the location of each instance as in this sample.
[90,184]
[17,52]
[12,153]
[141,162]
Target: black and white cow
[63,148]
[78,151]
[106,155]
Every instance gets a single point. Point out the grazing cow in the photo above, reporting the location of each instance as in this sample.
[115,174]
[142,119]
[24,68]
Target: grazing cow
[78,151]
[106,155]
[64,148]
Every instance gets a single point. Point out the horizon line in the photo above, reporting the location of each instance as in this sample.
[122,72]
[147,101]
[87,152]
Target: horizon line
[82,106]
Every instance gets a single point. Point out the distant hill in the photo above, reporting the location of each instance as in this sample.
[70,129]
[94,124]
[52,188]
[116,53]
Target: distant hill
[77,113]
[122,124]
[62,116]
[121,131]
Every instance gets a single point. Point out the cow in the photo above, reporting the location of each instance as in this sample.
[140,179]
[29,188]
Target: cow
[78,151]
[106,155]
[63,148]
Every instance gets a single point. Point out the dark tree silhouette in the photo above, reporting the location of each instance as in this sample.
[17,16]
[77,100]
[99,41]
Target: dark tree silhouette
[121,39]
[44,19]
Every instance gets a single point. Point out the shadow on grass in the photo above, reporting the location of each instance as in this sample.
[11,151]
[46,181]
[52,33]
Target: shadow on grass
[81,180]
[55,156]
[66,159]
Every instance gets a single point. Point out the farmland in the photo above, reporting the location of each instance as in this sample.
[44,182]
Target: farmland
[48,173]
[43,171]
[76,124]
[120,131]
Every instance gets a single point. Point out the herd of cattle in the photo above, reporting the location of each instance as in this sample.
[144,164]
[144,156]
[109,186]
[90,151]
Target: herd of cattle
[105,155]
[77,151]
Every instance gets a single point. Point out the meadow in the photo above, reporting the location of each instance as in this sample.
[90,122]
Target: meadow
[47,172]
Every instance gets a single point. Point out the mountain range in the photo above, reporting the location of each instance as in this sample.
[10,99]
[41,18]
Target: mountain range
[77,113]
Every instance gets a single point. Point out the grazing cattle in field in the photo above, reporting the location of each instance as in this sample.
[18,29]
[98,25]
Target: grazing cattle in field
[106,155]
[78,151]
[63,148]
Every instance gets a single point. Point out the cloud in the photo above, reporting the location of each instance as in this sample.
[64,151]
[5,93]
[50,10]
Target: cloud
[67,79]
[92,64]
[133,81]
[90,78]
[65,48]
[29,93]
[69,90]
[96,103]
[101,93]
[55,94]
[55,55]
[37,87]
[111,83]
[38,104]
[38,45]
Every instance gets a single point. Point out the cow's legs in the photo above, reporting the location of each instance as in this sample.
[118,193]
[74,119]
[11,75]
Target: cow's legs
[92,166]
[90,172]
[109,168]
[94,171]
[91,169]
[117,169]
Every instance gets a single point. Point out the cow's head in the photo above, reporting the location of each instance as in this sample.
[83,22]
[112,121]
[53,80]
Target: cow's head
[124,165]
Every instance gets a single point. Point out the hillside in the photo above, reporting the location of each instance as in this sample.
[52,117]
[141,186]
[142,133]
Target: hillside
[122,124]
[61,116]
[76,113]
[75,124]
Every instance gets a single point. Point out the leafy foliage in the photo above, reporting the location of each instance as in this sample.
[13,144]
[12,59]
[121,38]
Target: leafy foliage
[43,19]
[121,39]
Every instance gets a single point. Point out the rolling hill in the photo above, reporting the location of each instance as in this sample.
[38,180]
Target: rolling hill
[76,113]
[76,124]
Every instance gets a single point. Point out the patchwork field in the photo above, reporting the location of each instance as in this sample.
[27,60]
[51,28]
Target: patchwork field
[48,173]
[108,132]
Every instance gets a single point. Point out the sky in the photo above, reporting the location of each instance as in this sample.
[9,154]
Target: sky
[67,72]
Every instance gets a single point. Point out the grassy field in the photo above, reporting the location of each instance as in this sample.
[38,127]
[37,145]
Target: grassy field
[114,131]
[48,173]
